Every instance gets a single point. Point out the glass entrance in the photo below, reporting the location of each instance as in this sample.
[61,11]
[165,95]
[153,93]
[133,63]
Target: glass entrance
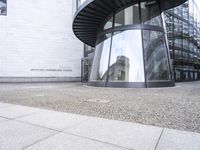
[85,69]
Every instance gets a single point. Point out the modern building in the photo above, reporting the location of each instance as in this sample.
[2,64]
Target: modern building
[137,30]
[123,43]
[37,43]
[183,32]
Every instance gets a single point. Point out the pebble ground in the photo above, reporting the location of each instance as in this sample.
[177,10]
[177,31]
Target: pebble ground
[177,107]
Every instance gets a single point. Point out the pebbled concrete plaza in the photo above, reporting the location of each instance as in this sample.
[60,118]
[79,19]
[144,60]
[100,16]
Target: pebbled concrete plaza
[176,108]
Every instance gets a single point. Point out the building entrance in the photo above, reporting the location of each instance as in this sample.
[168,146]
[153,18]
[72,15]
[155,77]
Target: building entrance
[85,69]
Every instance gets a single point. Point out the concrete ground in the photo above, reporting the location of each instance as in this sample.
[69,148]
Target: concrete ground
[175,108]
[26,128]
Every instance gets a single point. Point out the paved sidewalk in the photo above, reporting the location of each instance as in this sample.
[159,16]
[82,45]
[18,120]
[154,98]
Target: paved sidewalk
[37,129]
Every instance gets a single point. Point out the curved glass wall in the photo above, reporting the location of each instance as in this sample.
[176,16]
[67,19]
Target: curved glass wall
[150,13]
[155,51]
[126,59]
[100,64]
[131,49]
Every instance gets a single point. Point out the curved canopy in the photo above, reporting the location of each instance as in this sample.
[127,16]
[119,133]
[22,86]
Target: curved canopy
[93,13]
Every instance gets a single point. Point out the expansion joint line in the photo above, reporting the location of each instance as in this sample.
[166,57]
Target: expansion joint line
[159,139]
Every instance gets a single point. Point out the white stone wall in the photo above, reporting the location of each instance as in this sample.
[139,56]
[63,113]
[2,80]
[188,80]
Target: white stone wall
[36,40]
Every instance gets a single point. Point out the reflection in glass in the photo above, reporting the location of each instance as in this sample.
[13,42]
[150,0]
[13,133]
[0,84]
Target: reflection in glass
[126,62]
[3,7]
[183,21]
[100,61]
[134,54]
[150,13]
[128,16]
[108,24]
[80,2]
[157,67]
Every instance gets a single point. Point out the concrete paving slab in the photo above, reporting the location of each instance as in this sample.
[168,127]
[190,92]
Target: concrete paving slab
[68,142]
[179,140]
[3,119]
[54,120]
[128,135]
[16,111]
[15,135]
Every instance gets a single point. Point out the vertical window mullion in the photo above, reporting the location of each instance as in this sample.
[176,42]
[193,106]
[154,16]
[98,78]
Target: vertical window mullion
[110,50]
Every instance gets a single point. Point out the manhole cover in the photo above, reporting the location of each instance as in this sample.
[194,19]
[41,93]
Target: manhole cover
[98,101]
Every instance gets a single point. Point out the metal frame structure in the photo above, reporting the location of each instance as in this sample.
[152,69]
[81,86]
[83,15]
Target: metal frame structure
[183,30]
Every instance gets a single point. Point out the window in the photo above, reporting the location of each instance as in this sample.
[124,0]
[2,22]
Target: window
[126,61]
[99,70]
[157,67]
[128,16]
[151,13]
[3,7]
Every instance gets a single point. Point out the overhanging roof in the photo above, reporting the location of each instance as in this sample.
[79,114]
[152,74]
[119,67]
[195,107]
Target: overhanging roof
[93,13]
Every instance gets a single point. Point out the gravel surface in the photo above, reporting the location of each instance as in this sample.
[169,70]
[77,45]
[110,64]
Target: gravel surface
[177,107]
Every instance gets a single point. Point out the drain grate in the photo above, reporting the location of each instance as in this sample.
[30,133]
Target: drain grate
[97,101]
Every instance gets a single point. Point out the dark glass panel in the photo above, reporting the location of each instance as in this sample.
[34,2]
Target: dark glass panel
[178,73]
[156,58]
[108,24]
[128,16]
[3,7]
[151,13]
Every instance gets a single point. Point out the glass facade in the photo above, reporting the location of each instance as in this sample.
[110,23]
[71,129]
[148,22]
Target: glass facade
[183,24]
[132,46]
[100,64]
[150,13]
[3,7]
[157,66]
[131,49]
[128,16]
[126,57]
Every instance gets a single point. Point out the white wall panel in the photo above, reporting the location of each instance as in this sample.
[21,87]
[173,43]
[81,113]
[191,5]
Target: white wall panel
[36,40]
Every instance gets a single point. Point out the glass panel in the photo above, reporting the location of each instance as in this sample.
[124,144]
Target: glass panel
[185,9]
[3,7]
[100,61]
[88,50]
[85,67]
[128,16]
[120,19]
[108,24]
[155,50]
[151,13]
[80,2]
[126,62]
